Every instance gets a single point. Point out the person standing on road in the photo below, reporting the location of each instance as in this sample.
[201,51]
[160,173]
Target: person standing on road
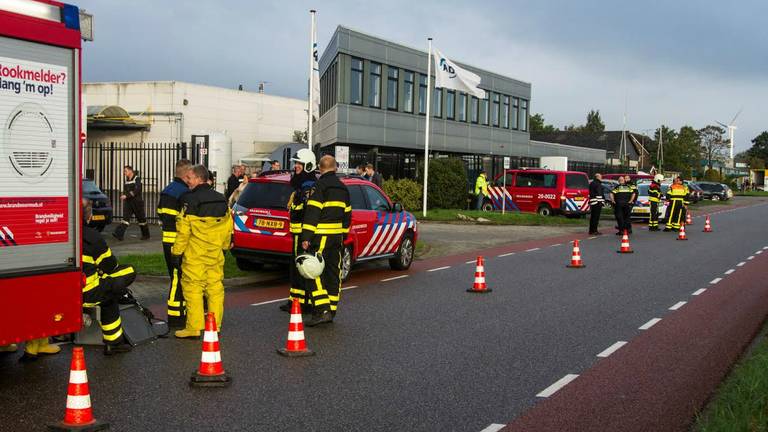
[234,181]
[133,204]
[596,201]
[302,182]
[676,195]
[481,190]
[622,195]
[167,209]
[372,175]
[205,230]
[654,197]
[326,224]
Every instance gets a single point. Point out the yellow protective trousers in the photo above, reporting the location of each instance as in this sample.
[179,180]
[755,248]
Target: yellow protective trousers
[203,276]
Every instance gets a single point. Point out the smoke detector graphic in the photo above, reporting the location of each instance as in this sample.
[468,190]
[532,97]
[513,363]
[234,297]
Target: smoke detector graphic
[29,141]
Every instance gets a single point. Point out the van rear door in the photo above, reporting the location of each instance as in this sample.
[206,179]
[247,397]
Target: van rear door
[576,192]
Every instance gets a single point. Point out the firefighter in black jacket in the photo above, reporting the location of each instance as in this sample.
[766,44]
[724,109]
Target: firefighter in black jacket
[596,201]
[326,224]
[302,182]
[654,197]
[133,205]
[105,283]
[167,209]
[623,196]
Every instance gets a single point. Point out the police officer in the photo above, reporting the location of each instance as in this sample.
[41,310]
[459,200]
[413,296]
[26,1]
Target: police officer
[622,196]
[133,204]
[105,283]
[326,223]
[481,190]
[167,209]
[677,194]
[302,182]
[596,201]
[204,233]
[654,197]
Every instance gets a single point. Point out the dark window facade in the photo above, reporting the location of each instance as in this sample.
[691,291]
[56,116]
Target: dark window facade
[475,109]
[328,86]
[356,82]
[523,115]
[462,107]
[437,107]
[505,113]
[495,110]
[422,94]
[392,77]
[408,91]
[374,92]
[450,104]
[515,111]
[484,109]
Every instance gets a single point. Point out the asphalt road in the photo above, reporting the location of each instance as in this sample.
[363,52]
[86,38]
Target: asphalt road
[416,353]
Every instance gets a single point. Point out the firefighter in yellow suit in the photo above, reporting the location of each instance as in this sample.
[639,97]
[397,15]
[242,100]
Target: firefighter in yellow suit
[204,233]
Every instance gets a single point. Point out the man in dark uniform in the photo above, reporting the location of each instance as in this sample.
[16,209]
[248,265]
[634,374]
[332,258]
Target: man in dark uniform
[133,204]
[237,177]
[326,224]
[596,201]
[622,197]
[302,182]
[654,197]
[168,208]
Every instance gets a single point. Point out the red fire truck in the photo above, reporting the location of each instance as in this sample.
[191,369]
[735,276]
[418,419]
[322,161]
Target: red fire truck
[40,238]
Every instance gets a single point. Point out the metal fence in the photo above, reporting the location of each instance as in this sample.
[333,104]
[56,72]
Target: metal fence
[154,163]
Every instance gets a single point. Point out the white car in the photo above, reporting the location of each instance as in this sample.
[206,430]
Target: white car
[642,208]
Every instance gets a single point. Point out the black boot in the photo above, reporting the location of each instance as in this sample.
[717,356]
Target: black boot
[118,347]
[323,316]
[286,307]
[144,231]
[119,232]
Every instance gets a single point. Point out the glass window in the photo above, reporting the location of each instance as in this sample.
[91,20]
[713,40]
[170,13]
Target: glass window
[484,109]
[437,107]
[408,92]
[450,99]
[374,92]
[535,180]
[474,109]
[495,110]
[462,106]
[356,198]
[356,90]
[505,113]
[422,94]
[523,115]
[265,195]
[576,181]
[392,75]
[376,200]
[515,110]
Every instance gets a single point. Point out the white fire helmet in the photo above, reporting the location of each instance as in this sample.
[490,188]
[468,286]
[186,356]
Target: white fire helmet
[658,178]
[310,266]
[306,157]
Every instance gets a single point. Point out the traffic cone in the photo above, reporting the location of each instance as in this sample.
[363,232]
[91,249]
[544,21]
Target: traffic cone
[576,256]
[211,371]
[295,346]
[707,226]
[479,285]
[78,415]
[625,248]
[681,233]
[688,218]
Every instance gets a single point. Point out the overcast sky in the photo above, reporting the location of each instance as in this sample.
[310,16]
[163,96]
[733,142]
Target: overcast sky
[674,62]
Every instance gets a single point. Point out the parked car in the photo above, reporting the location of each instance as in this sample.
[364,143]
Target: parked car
[380,229]
[642,207]
[695,192]
[102,208]
[541,191]
[715,191]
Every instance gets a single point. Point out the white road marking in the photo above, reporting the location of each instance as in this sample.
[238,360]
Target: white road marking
[612,349]
[677,305]
[740,264]
[494,427]
[439,268]
[715,280]
[394,278]
[592,238]
[750,258]
[470,262]
[270,301]
[699,291]
[556,245]
[765,247]
[649,324]
[531,250]
[349,287]
[562,382]
[758,252]
[729,271]
[506,254]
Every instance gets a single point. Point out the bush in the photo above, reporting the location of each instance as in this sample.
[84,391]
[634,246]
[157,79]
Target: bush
[405,191]
[447,184]
[712,175]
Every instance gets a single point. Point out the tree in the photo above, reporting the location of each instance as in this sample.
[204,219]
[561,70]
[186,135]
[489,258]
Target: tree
[300,136]
[594,122]
[759,147]
[666,136]
[712,145]
[538,126]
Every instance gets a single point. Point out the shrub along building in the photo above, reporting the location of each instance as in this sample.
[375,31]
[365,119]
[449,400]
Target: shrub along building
[373,104]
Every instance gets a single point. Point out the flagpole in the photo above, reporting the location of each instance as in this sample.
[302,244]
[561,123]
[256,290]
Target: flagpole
[426,127]
[312,48]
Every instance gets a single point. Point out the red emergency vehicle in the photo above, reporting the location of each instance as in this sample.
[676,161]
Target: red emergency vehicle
[541,191]
[379,228]
[40,238]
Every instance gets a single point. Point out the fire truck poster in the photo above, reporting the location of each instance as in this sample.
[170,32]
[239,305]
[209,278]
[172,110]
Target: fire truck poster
[35,152]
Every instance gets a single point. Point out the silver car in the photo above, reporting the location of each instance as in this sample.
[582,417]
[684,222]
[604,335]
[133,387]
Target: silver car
[642,207]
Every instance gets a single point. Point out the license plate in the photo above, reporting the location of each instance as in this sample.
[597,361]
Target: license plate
[642,210]
[268,223]
[97,217]
[579,199]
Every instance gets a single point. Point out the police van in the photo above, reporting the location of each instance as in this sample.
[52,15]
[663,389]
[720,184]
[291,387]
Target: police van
[541,191]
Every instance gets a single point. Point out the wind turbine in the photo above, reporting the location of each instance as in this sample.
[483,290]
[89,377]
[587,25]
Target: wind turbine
[731,128]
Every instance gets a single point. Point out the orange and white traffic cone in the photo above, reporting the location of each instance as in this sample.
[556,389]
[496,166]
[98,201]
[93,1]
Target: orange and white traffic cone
[681,233]
[625,248]
[707,225]
[211,371]
[576,256]
[78,415]
[296,345]
[688,218]
[479,285]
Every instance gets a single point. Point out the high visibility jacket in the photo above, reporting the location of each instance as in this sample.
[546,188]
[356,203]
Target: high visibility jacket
[677,192]
[132,188]
[328,210]
[302,184]
[622,194]
[654,192]
[481,185]
[169,206]
[99,265]
[204,228]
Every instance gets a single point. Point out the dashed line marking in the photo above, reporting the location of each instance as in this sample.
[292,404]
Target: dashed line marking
[750,258]
[677,305]
[592,238]
[729,271]
[715,280]
[612,349]
[740,264]
[556,245]
[532,249]
[394,278]
[349,287]
[562,382]
[494,427]
[699,291]
[438,269]
[758,252]
[470,262]
[269,301]
[649,324]
[765,247]
[506,254]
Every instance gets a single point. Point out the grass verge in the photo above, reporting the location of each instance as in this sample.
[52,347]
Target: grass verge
[154,265]
[496,218]
[705,203]
[741,402]
[752,193]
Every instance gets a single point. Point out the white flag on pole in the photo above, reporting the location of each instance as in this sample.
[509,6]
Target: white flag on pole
[315,80]
[449,75]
